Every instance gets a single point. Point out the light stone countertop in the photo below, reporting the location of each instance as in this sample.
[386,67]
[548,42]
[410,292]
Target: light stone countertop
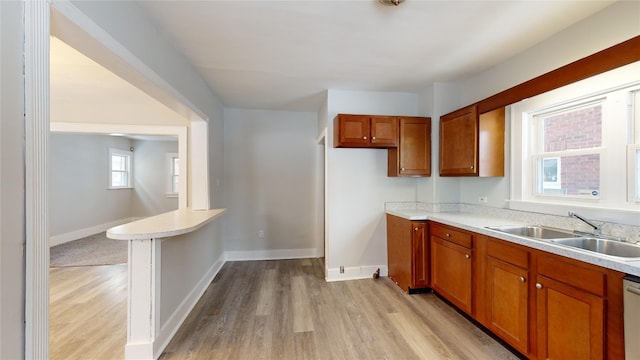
[477,223]
[172,223]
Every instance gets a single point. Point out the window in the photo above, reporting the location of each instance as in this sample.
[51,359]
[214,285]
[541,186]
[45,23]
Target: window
[173,172]
[120,169]
[579,145]
[567,152]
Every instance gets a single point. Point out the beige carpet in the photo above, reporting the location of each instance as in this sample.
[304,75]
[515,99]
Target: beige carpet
[93,250]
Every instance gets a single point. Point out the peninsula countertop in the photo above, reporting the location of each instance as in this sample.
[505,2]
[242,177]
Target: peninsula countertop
[172,223]
[478,223]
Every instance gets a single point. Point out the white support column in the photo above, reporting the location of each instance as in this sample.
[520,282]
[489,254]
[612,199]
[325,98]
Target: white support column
[36,70]
[143,308]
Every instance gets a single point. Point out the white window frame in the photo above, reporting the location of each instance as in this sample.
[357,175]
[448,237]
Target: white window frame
[618,183]
[537,155]
[633,164]
[557,184]
[129,168]
[171,192]
[633,153]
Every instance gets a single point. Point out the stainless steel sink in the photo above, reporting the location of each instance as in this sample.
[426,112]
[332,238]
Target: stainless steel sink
[602,246]
[535,232]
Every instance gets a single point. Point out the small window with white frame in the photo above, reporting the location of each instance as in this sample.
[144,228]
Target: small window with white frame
[173,174]
[120,169]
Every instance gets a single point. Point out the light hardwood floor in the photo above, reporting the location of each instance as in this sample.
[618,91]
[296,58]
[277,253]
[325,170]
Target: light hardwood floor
[285,310]
[87,312]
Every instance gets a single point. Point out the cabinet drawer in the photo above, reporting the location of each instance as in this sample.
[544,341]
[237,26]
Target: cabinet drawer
[456,236]
[580,275]
[508,253]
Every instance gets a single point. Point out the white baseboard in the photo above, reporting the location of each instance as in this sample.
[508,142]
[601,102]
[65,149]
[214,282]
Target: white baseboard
[271,254]
[173,323]
[79,234]
[355,273]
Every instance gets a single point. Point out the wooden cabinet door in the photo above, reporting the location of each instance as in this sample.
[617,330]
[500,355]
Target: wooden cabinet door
[384,131]
[352,130]
[570,322]
[420,254]
[399,250]
[459,143]
[451,272]
[413,155]
[507,303]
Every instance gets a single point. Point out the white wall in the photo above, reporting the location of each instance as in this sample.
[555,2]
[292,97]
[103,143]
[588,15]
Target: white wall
[12,185]
[270,165]
[81,204]
[150,178]
[358,187]
[613,25]
[79,194]
[436,189]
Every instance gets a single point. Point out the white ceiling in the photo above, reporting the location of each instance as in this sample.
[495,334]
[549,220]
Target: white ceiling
[83,91]
[285,54]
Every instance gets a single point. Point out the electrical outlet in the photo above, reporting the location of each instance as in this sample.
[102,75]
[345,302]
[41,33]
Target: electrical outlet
[341,269]
[483,199]
[261,234]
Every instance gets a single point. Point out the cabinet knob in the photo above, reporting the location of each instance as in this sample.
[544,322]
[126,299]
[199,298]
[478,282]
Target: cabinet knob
[538,286]
[364,138]
[401,169]
[467,256]
[373,138]
[522,279]
[471,167]
[415,229]
[447,235]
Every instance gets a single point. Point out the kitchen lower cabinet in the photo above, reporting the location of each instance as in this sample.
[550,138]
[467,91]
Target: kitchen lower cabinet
[573,299]
[507,302]
[408,253]
[570,322]
[507,293]
[451,265]
[545,306]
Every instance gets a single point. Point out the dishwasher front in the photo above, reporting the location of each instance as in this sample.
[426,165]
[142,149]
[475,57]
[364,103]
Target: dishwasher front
[631,286]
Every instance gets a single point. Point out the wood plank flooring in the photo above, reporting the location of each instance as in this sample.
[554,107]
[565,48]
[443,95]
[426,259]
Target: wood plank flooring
[285,310]
[268,310]
[87,312]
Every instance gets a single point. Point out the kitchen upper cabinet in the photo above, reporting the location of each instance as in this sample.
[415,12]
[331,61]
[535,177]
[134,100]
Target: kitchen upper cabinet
[451,265]
[472,144]
[365,131]
[412,157]
[507,293]
[408,253]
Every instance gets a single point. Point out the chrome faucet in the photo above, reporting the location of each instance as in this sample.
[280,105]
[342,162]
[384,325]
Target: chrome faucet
[596,228]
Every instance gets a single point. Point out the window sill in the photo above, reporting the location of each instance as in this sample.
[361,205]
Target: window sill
[120,188]
[171,195]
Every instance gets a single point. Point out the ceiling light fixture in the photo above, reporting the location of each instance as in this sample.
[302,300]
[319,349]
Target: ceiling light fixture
[390,2]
